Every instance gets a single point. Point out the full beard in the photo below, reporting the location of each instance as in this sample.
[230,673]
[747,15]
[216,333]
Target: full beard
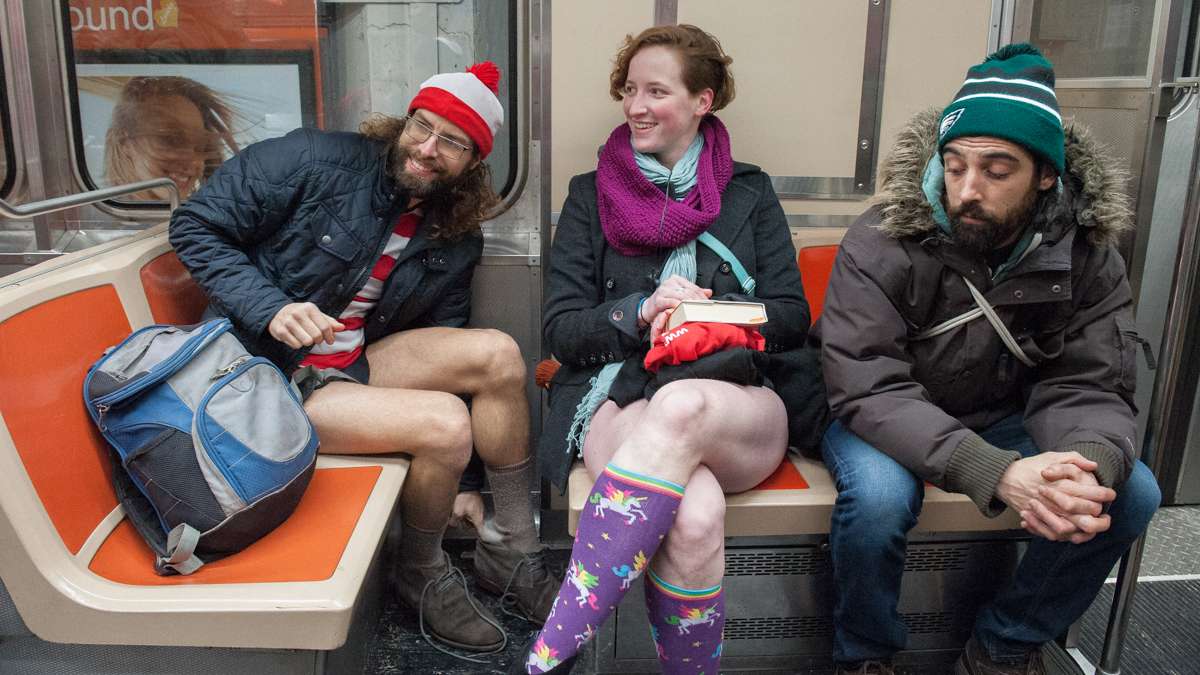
[439,186]
[992,231]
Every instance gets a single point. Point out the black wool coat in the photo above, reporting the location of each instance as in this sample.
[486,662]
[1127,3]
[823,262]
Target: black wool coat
[590,316]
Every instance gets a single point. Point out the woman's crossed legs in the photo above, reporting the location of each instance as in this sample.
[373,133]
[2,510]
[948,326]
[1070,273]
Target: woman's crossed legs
[661,468]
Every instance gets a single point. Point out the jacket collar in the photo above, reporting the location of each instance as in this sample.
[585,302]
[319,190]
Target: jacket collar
[737,203]
[1091,198]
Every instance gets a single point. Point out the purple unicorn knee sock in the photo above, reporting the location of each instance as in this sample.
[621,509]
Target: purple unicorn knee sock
[622,524]
[686,626]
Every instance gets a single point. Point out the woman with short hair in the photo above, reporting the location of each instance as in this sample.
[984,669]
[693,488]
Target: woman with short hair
[663,447]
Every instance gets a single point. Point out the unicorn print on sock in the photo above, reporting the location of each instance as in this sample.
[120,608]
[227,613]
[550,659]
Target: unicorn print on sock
[587,634]
[693,616]
[542,657]
[621,502]
[583,581]
[627,574]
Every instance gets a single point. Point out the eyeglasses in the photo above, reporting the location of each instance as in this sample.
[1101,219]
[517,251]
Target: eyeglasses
[419,132]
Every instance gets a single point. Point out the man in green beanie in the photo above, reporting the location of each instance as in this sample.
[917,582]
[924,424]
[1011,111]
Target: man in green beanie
[978,334]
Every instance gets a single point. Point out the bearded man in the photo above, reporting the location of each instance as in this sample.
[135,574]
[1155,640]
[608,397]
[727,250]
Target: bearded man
[347,260]
[977,334]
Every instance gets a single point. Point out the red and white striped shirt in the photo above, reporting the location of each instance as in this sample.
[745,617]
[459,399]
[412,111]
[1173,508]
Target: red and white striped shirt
[348,344]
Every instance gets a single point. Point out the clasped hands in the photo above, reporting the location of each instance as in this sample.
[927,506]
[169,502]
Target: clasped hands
[674,290]
[1057,496]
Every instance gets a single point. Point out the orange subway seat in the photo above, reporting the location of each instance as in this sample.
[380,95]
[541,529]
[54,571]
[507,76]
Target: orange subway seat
[306,547]
[46,354]
[816,265]
[170,291]
[785,477]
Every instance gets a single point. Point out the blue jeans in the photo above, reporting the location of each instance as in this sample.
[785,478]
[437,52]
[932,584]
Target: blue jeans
[878,503]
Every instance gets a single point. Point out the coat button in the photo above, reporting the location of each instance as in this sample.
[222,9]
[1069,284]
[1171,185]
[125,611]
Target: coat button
[617,315]
[1018,294]
[1056,289]
[610,283]
[325,239]
[726,268]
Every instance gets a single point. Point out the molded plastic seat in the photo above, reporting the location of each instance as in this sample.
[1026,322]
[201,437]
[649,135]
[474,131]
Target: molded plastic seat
[798,500]
[76,570]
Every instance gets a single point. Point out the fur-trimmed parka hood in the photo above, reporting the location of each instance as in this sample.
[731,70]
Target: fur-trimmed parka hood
[1092,185]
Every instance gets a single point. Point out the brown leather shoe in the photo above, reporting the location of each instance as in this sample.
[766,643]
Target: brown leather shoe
[520,579]
[865,668]
[446,609]
[975,661]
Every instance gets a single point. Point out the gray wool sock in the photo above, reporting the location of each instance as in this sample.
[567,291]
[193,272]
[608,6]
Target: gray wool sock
[513,519]
[419,548]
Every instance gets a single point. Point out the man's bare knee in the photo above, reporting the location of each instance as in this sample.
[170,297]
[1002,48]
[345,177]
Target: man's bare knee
[501,360]
[449,433]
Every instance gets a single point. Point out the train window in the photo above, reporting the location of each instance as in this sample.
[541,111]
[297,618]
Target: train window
[174,87]
[1088,39]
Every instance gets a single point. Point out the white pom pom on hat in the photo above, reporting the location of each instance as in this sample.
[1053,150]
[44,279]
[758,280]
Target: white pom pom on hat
[468,100]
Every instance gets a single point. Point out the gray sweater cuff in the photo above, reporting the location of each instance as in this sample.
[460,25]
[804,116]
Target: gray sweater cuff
[975,469]
[1110,470]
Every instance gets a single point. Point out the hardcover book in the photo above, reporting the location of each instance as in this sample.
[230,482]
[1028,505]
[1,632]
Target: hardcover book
[718,311]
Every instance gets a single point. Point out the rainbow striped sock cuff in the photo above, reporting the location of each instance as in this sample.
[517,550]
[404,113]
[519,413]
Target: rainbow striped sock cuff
[680,593]
[663,487]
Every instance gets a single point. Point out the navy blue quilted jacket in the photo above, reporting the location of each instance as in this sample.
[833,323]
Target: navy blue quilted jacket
[304,218]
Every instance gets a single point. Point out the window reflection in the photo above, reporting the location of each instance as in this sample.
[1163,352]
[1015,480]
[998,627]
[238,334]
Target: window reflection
[167,126]
[174,87]
[1085,39]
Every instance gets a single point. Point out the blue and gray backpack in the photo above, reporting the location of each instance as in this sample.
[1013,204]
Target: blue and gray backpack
[211,445]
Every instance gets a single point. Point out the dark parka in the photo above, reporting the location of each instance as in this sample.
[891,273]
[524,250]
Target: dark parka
[590,316]
[1068,304]
[304,218]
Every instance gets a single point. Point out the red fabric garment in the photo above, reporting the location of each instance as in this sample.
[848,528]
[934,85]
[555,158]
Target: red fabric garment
[698,338]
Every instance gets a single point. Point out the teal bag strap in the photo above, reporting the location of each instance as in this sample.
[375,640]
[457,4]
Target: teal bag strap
[743,277]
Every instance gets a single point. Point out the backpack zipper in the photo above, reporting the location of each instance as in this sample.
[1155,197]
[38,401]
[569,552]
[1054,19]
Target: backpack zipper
[164,369]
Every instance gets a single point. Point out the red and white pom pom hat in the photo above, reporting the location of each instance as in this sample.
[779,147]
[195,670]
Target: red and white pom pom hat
[469,100]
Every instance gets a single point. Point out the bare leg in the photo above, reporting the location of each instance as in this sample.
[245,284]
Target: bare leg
[431,426]
[694,432]
[484,364]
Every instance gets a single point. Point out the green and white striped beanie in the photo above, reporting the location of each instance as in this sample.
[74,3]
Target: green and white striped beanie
[1011,96]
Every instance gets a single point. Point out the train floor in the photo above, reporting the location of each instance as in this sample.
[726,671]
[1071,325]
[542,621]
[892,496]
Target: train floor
[1161,638]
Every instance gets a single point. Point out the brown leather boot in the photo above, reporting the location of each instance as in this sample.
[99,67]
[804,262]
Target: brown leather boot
[975,661]
[446,609]
[520,579]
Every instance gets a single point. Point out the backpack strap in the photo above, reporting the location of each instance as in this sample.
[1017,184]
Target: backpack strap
[984,309]
[181,547]
[747,282]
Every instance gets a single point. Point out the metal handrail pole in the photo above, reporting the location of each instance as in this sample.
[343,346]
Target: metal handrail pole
[91,197]
[1161,417]
[1169,31]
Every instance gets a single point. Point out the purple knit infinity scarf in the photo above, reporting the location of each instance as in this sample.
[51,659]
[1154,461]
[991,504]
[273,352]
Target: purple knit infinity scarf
[631,207]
